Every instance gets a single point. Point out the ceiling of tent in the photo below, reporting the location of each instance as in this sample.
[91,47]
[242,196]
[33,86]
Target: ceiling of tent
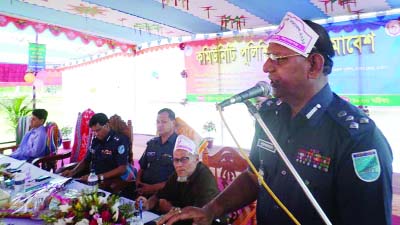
[141,21]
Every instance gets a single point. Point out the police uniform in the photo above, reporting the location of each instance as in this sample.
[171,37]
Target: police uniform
[109,153]
[156,161]
[340,154]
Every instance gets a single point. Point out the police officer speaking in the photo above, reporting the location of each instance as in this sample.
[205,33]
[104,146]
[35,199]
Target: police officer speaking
[338,151]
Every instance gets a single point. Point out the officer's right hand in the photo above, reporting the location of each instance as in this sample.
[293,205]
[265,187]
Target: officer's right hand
[199,215]
[67,173]
[145,203]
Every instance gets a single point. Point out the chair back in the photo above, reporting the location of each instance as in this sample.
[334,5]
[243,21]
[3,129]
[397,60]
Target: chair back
[181,127]
[23,126]
[121,127]
[53,140]
[227,164]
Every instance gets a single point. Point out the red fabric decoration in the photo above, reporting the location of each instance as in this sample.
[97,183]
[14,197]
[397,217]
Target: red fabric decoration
[71,34]
[83,136]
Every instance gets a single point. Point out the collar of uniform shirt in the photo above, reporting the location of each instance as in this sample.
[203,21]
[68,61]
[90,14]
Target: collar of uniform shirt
[317,105]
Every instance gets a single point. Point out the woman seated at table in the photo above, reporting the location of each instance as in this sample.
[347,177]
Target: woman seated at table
[192,183]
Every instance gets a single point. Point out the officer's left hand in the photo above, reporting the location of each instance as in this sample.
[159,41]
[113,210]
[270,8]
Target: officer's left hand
[84,178]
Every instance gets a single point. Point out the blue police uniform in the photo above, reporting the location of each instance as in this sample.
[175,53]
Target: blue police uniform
[156,161]
[109,153]
[340,154]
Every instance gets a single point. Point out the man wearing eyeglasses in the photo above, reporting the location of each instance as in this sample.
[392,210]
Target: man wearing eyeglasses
[339,153]
[192,183]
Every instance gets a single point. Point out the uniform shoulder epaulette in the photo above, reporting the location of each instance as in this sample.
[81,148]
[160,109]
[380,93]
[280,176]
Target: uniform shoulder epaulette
[154,139]
[270,104]
[116,137]
[354,120]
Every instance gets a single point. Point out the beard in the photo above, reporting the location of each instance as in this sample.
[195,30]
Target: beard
[182,179]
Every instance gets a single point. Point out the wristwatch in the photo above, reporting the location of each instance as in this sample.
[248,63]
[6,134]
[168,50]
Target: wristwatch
[101,177]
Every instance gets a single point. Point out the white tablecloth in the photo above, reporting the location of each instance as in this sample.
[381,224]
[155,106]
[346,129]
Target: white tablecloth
[36,172]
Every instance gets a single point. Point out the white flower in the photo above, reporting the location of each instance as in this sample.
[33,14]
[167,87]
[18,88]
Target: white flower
[102,200]
[114,208]
[115,216]
[83,222]
[60,222]
[99,221]
[69,219]
[64,208]
[93,210]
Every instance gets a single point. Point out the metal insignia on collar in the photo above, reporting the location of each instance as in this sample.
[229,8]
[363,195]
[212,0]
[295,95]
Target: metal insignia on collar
[342,113]
[349,118]
[354,125]
[278,102]
[364,120]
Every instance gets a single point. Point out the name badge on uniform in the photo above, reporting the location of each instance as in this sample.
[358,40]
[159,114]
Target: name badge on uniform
[366,165]
[266,145]
[151,154]
[106,152]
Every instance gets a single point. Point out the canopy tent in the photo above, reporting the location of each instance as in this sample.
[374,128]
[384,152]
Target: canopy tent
[137,22]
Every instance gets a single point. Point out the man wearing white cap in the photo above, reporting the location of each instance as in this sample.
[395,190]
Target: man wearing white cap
[339,153]
[192,183]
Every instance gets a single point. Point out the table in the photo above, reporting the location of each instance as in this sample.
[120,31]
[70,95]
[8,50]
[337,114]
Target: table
[36,172]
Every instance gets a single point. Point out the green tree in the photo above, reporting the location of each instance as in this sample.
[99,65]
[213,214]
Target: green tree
[16,108]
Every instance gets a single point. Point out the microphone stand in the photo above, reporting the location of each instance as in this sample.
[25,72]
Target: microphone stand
[254,112]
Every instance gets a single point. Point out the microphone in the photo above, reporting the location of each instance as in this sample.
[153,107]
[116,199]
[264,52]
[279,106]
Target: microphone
[262,88]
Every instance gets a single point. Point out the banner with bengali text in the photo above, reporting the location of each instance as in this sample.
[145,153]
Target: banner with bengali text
[366,66]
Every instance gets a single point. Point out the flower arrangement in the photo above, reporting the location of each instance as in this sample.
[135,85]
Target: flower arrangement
[89,209]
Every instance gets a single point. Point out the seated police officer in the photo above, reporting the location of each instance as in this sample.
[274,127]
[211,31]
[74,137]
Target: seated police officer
[156,162]
[108,155]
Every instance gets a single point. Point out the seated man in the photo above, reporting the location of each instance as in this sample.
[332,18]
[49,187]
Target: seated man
[33,144]
[156,162]
[108,156]
[192,183]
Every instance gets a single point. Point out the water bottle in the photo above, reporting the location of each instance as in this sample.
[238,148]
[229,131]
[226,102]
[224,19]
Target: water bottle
[92,181]
[19,182]
[136,219]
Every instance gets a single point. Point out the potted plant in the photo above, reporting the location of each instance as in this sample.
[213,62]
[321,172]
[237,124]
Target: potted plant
[66,137]
[16,108]
[209,128]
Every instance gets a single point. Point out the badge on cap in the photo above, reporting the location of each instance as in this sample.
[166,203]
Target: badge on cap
[366,165]
[295,34]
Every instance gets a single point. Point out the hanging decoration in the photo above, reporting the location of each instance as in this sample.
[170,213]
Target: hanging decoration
[29,78]
[148,27]
[343,3]
[87,10]
[70,34]
[185,3]
[238,20]
[184,74]
[208,8]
